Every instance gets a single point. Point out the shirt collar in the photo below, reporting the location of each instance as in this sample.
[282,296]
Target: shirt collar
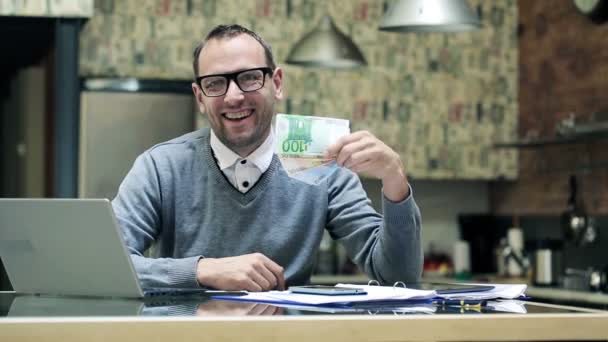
[261,157]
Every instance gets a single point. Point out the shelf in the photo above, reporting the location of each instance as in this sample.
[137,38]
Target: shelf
[579,134]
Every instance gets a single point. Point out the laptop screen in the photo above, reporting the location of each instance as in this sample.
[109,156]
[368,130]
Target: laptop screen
[65,247]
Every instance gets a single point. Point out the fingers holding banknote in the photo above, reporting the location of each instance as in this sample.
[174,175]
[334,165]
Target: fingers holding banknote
[365,154]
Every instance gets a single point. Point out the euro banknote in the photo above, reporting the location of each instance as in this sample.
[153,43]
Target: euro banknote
[301,141]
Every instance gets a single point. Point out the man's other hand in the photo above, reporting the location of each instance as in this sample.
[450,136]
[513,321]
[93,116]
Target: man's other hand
[252,272]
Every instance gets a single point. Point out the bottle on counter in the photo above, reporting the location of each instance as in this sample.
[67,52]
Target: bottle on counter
[500,255]
[516,264]
[511,258]
[461,256]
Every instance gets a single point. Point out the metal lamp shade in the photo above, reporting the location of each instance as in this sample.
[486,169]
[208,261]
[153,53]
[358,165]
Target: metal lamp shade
[429,16]
[326,47]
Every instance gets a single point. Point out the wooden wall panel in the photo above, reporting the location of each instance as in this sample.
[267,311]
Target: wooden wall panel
[563,69]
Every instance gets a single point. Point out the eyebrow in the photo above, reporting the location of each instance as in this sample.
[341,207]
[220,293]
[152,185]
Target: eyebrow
[232,72]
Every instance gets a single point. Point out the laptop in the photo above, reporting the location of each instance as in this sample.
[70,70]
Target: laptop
[69,247]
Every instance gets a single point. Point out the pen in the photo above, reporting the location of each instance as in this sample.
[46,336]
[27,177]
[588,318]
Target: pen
[466,303]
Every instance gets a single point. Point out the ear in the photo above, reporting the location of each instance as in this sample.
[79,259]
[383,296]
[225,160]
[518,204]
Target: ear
[198,94]
[277,81]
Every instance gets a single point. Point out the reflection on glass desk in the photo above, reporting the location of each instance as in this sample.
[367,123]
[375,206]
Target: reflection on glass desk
[12,305]
[27,318]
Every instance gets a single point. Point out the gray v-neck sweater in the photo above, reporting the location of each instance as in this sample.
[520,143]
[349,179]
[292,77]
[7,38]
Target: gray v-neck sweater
[176,195]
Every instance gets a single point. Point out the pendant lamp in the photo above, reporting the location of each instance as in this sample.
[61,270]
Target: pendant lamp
[327,47]
[429,16]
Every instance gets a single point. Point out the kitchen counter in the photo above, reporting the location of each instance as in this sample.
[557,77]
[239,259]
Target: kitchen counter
[569,296]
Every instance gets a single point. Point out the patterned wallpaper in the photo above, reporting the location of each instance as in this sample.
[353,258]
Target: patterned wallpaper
[441,100]
[47,8]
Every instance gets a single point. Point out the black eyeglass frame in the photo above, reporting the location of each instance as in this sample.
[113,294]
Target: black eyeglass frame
[233,77]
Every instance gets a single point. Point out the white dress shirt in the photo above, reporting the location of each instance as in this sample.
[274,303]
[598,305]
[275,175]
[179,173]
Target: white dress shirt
[242,173]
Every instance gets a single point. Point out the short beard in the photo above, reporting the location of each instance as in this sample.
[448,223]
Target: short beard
[246,146]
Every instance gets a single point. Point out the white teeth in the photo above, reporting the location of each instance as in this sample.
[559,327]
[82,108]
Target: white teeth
[235,116]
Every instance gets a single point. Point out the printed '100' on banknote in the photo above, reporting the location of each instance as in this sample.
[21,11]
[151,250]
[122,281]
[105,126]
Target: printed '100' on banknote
[299,136]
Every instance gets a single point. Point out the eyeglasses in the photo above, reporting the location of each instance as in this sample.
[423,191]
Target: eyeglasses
[247,80]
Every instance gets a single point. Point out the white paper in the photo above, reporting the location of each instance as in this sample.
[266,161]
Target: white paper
[374,293]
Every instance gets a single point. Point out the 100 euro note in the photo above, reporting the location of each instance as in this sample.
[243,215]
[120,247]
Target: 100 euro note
[301,141]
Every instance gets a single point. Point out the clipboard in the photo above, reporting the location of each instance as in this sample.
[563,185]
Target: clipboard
[449,288]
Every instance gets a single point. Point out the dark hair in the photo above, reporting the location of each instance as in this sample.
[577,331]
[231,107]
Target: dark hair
[230,31]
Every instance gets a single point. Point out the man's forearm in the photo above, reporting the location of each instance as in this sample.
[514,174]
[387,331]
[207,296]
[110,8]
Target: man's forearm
[396,188]
[398,254]
[166,272]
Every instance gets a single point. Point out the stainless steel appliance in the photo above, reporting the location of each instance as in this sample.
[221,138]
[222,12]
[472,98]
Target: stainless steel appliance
[121,118]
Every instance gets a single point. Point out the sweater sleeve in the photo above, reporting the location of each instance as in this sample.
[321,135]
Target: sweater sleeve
[386,247]
[138,209]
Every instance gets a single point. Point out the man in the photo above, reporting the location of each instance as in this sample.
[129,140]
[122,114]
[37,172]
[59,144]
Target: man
[224,211]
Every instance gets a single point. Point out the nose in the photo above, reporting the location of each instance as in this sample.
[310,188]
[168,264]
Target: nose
[234,93]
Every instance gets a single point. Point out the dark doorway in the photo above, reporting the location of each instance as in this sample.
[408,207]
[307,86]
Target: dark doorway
[25,106]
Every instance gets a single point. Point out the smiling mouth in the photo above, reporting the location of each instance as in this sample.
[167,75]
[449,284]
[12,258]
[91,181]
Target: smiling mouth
[237,116]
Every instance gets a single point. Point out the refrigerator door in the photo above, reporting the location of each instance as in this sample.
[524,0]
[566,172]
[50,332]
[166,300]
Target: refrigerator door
[116,127]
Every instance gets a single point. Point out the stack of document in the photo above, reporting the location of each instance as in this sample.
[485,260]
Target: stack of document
[378,295]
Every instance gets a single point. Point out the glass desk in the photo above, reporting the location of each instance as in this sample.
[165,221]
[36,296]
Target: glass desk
[29,318]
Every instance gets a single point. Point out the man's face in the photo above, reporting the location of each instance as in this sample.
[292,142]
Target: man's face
[241,120]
